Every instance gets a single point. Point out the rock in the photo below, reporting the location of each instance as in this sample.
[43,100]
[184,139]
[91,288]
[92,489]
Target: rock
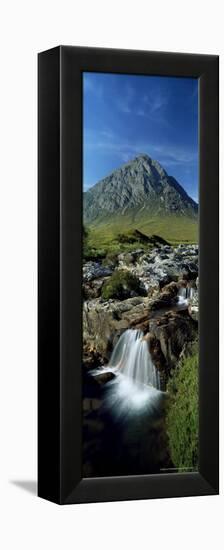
[92,359]
[158,357]
[92,289]
[171,289]
[104,322]
[194,312]
[94,270]
[90,405]
[173,330]
[163,265]
[165,299]
[193,307]
[103,377]
[182,283]
[162,271]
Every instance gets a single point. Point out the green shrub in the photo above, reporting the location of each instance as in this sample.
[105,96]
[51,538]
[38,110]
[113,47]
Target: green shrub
[110,259]
[93,254]
[121,285]
[182,416]
[132,236]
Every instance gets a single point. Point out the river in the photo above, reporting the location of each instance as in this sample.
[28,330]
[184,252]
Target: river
[124,428]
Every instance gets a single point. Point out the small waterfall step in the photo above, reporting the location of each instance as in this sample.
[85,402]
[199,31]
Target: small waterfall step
[132,358]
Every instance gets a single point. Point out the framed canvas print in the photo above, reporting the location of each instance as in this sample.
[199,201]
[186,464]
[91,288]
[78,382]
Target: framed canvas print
[128,275]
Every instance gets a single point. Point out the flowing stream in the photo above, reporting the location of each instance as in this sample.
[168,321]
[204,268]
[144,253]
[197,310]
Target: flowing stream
[136,383]
[184,295]
[125,431]
[132,358]
[131,437]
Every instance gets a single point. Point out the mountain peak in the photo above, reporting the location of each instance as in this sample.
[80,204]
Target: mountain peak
[140,184]
[143,157]
[145,161]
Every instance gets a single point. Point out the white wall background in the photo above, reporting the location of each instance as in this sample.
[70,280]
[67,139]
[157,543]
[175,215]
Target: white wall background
[27,27]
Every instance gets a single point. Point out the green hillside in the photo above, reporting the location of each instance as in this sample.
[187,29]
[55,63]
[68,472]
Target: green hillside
[174,229]
[138,196]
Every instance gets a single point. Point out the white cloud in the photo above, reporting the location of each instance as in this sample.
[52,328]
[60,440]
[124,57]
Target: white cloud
[149,106]
[156,101]
[125,103]
[169,155]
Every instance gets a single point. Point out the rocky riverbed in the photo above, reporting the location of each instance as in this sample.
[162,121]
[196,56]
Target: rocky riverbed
[165,309]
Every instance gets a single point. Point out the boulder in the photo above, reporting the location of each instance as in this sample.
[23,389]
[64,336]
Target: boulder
[92,288]
[94,270]
[160,266]
[173,331]
[162,271]
[103,377]
[104,322]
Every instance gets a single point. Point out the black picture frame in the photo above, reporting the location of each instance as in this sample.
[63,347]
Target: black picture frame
[60,276]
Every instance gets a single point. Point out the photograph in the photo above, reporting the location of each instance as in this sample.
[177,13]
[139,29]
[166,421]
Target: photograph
[140,274]
[112,256]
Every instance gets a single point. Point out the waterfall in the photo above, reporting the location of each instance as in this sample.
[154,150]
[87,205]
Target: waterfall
[185,294]
[132,358]
[135,387]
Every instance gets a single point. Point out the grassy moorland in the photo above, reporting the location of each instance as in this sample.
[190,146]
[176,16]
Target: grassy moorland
[105,237]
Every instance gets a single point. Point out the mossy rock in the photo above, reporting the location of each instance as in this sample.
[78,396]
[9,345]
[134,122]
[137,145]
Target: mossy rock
[121,285]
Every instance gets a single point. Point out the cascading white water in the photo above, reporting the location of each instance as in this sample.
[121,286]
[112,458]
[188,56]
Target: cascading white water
[136,385]
[185,294]
[191,292]
[132,358]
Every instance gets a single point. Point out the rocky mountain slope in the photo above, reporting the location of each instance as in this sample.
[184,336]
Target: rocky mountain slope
[139,188]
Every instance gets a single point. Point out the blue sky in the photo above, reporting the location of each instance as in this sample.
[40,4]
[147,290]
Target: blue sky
[127,115]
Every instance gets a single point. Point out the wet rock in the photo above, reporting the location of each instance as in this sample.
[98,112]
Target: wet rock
[193,307]
[90,405]
[104,322]
[92,359]
[173,330]
[194,312]
[103,377]
[162,271]
[171,289]
[157,357]
[167,298]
